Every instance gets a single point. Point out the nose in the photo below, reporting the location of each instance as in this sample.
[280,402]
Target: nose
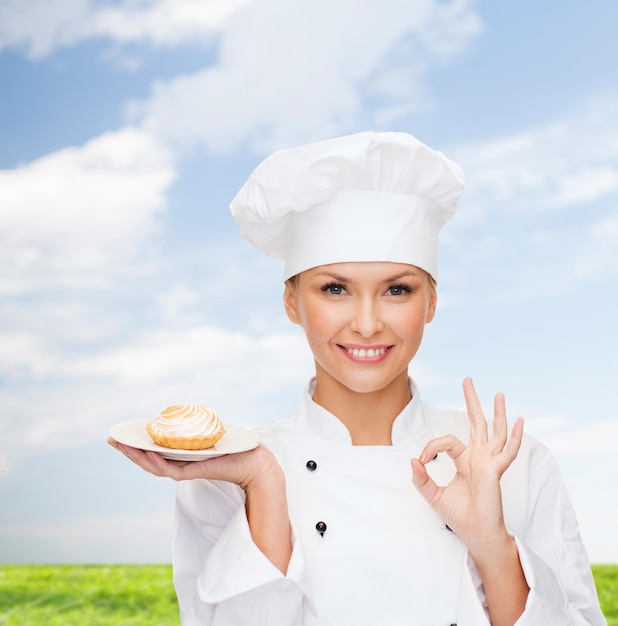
[367,320]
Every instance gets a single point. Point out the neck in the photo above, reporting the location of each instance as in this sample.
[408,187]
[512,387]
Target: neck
[368,416]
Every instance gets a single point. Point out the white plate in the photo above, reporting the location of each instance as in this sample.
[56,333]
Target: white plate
[134,434]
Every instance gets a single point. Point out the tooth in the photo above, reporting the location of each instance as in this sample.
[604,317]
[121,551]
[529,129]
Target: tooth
[366,352]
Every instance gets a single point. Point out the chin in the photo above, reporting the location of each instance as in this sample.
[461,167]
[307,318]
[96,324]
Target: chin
[370,386]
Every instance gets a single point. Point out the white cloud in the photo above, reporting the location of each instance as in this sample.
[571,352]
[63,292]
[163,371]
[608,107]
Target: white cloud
[162,356]
[540,211]
[21,355]
[80,210]
[117,526]
[161,22]
[568,163]
[41,26]
[596,255]
[75,538]
[199,354]
[586,185]
[565,437]
[59,398]
[38,26]
[292,72]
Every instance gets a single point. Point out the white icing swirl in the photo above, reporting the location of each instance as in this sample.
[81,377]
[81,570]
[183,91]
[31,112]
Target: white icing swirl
[186,420]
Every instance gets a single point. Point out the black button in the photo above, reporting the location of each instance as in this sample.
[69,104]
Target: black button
[321,528]
[434,458]
[312,466]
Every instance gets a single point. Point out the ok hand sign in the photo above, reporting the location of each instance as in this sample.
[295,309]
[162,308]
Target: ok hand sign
[471,504]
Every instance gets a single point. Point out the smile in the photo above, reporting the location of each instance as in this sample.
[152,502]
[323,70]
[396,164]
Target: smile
[365,353]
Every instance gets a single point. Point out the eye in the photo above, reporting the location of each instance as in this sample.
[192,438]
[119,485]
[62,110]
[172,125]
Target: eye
[398,290]
[335,289]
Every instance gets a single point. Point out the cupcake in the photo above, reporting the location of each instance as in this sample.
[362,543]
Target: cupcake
[186,427]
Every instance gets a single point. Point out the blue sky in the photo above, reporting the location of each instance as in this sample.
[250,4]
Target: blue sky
[126,127]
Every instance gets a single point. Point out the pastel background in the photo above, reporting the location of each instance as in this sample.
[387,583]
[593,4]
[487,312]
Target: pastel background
[126,126]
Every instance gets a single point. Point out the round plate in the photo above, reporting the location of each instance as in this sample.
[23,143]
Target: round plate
[134,434]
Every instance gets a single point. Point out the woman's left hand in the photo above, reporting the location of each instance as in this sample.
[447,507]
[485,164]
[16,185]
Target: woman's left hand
[471,504]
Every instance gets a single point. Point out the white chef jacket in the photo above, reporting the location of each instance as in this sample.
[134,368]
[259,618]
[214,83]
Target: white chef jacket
[385,557]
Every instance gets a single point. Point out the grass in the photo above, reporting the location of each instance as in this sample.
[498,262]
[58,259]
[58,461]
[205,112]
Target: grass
[606,579]
[137,595]
[71,595]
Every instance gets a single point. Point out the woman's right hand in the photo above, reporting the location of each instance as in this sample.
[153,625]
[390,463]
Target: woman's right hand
[256,471]
[246,469]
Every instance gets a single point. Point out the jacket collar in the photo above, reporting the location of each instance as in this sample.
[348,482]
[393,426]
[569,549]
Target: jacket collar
[320,422]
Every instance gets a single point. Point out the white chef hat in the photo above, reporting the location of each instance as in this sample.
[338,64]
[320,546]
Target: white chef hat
[364,197]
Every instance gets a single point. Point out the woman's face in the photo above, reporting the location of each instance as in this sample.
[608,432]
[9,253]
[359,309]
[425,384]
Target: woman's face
[364,321]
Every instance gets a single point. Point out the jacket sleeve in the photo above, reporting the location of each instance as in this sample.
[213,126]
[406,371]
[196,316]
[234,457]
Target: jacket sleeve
[552,554]
[221,577]
[542,520]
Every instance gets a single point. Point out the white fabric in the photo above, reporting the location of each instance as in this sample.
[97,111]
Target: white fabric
[364,197]
[386,559]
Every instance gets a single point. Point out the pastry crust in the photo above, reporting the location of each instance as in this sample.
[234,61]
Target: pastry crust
[185,443]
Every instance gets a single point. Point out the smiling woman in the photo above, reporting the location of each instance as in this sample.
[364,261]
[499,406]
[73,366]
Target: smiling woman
[366,492]
[364,323]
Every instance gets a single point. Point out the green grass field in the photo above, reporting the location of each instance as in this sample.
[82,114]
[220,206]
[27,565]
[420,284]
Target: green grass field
[136,595]
[71,595]
[606,579]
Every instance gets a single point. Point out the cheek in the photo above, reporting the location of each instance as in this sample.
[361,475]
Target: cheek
[410,323]
[320,321]
[312,321]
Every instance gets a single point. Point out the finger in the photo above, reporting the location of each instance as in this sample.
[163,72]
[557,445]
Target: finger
[447,443]
[114,444]
[161,466]
[229,467]
[424,483]
[119,446]
[513,445]
[478,424]
[179,470]
[137,456]
[499,434]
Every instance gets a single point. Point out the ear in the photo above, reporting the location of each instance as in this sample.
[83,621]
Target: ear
[431,309]
[289,302]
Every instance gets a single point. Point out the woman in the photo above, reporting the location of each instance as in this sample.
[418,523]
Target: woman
[368,507]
